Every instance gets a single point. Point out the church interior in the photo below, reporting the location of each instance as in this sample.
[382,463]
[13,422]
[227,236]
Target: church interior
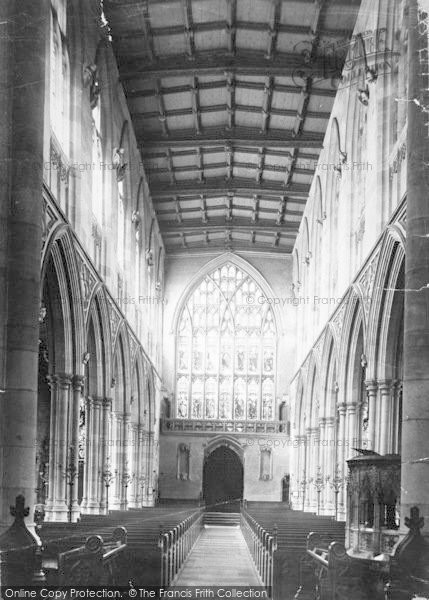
[214,298]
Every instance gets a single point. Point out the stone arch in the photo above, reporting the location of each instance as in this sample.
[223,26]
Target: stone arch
[296,269]
[60,258]
[305,241]
[224,440]
[353,309]
[329,370]
[96,348]
[392,256]
[121,371]
[312,399]
[217,262]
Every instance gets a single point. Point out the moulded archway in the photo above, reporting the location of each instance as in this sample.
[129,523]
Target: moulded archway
[222,478]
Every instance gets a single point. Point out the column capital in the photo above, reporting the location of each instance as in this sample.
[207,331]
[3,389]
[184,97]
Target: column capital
[342,409]
[371,386]
[119,416]
[385,386]
[351,407]
[330,421]
[107,403]
[77,382]
[52,380]
[94,401]
[64,380]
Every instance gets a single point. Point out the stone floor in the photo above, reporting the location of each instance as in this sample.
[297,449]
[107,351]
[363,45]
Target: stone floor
[220,557]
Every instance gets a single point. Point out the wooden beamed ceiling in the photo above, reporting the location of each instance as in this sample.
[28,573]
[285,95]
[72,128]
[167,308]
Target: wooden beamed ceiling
[230,101]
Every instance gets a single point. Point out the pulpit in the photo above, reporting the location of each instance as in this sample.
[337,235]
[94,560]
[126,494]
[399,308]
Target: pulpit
[373,495]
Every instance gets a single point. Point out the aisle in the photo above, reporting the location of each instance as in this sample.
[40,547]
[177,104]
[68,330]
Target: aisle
[220,557]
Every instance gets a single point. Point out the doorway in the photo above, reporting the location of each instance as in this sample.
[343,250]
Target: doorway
[222,479]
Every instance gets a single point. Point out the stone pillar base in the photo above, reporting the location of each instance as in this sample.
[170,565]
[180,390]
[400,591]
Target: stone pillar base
[58,513]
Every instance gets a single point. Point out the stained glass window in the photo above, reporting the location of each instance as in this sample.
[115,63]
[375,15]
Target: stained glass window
[226,350]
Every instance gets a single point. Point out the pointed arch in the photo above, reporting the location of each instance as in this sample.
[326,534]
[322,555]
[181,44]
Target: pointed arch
[226,348]
[353,311]
[329,370]
[305,240]
[391,260]
[217,262]
[121,378]
[59,260]
[296,268]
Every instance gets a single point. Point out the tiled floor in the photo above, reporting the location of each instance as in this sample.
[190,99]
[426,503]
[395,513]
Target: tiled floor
[220,557]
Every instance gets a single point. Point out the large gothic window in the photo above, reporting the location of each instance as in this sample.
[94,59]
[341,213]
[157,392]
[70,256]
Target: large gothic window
[60,75]
[226,350]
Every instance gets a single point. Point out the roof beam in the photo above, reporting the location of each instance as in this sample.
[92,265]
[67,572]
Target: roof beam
[229,162]
[281,213]
[196,111]
[147,31]
[238,136]
[274,211]
[170,168]
[189,26]
[230,90]
[161,108]
[218,195]
[255,213]
[200,165]
[260,247]
[203,208]
[241,150]
[231,25]
[133,3]
[178,211]
[222,83]
[274,28]
[266,110]
[260,167]
[234,185]
[285,65]
[227,225]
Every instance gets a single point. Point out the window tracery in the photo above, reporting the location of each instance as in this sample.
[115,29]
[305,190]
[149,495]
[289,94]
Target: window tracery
[226,348]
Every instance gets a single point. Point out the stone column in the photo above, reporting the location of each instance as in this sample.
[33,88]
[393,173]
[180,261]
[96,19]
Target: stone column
[371,389]
[133,490]
[385,388]
[117,460]
[125,461]
[415,421]
[323,460]
[341,449]
[57,504]
[308,467]
[149,499]
[25,27]
[329,464]
[314,454]
[351,430]
[105,449]
[396,422]
[93,430]
[51,492]
[77,387]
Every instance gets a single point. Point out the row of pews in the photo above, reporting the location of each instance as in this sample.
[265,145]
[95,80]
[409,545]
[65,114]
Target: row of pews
[141,561]
[311,560]
[292,574]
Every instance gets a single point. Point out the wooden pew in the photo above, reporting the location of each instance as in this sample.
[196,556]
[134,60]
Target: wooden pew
[97,562]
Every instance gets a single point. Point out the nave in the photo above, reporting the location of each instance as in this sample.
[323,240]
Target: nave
[214,287]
